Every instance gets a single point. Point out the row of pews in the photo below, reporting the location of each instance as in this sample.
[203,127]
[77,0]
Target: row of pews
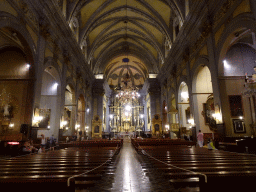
[74,168]
[190,168]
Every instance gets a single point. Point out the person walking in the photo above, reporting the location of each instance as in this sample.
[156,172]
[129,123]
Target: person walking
[200,139]
[52,142]
[43,143]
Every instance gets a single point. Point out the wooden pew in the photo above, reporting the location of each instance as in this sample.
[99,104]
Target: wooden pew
[53,168]
[185,166]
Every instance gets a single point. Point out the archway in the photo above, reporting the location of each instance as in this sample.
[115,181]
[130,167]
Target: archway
[69,111]
[237,87]
[203,100]
[184,109]
[49,108]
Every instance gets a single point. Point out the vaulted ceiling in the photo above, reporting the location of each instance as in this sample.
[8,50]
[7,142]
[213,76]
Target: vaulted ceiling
[113,29]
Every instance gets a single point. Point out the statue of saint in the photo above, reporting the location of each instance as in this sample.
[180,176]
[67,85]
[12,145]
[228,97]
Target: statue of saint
[6,110]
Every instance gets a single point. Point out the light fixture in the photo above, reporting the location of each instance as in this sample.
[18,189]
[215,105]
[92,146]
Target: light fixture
[11,125]
[63,124]
[111,116]
[77,126]
[127,107]
[191,121]
[55,85]
[240,113]
[226,64]
[141,116]
[184,95]
[87,109]
[48,126]
[27,66]
[37,119]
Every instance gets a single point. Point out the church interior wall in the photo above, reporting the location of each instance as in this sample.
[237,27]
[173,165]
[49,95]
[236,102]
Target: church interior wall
[231,42]
[15,88]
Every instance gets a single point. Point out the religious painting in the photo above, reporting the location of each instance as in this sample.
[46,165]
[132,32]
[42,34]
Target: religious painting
[45,114]
[235,104]
[187,112]
[208,111]
[239,126]
[156,127]
[96,129]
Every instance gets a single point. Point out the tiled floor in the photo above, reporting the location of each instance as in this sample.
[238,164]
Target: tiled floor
[130,177]
[129,174]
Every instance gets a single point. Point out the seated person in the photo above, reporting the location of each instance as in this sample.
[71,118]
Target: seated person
[74,138]
[33,149]
[26,148]
[210,145]
[52,142]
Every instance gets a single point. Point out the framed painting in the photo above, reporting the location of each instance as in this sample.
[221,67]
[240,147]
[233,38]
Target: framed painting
[239,126]
[235,104]
[46,114]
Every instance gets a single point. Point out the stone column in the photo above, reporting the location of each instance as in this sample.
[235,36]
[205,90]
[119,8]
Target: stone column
[213,66]
[39,63]
[62,92]
[98,93]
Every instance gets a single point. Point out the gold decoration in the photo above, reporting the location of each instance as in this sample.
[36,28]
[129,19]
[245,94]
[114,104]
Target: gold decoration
[8,105]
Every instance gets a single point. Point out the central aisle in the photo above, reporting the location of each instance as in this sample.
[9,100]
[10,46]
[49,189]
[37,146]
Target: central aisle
[129,174]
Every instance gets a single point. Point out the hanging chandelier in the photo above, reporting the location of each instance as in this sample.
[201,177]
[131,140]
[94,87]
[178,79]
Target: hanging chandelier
[128,93]
[127,96]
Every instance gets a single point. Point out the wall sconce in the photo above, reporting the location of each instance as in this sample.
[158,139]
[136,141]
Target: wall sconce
[11,125]
[185,95]
[217,117]
[87,109]
[86,129]
[77,126]
[48,126]
[28,66]
[141,116]
[63,124]
[191,122]
[240,113]
[167,127]
[111,116]
[37,119]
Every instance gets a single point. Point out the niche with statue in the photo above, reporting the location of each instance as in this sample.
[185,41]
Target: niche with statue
[156,125]
[96,127]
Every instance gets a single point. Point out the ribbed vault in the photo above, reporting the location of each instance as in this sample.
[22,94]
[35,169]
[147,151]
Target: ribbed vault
[111,29]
